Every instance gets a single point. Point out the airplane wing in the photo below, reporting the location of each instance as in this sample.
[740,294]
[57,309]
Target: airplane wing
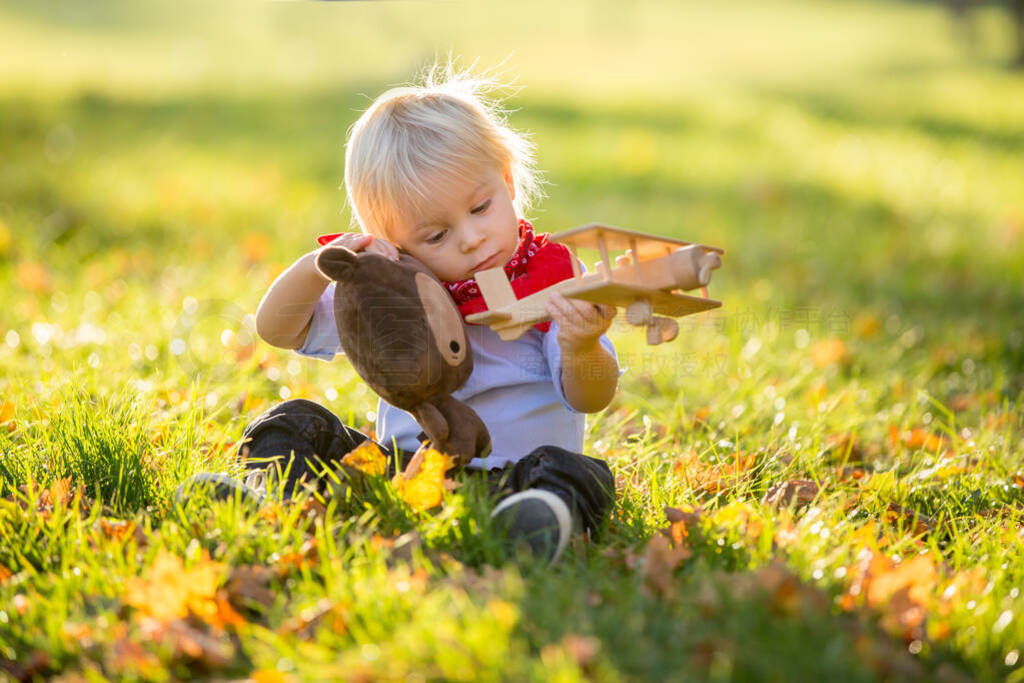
[618,239]
[665,303]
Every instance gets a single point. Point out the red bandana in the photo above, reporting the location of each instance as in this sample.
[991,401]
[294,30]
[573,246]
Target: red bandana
[536,264]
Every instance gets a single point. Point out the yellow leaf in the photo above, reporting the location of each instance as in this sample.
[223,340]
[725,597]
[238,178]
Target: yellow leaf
[504,612]
[366,457]
[33,276]
[816,393]
[919,438]
[269,676]
[736,512]
[170,591]
[6,412]
[60,491]
[421,485]
[917,574]
[867,326]
[829,351]
[701,416]
[5,238]
[255,247]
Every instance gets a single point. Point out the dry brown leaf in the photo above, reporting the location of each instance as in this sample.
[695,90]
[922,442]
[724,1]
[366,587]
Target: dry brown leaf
[78,634]
[29,668]
[122,530]
[194,644]
[249,585]
[703,653]
[661,560]
[58,494]
[787,592]
[305,623]
[845,447]
[850,472]
[700,417]
[922,523]
[681,522]
[582,649]
[169,591]
[307,556]
[313,512]
[713,477]
[797,492]
[902,593]
[917,574]
[917,438]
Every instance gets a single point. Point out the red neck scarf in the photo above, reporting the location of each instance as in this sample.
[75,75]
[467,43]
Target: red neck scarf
[536,264]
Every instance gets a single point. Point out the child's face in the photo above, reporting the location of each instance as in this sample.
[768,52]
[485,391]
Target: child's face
[470,225]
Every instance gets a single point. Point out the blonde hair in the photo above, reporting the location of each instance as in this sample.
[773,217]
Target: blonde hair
[447,126]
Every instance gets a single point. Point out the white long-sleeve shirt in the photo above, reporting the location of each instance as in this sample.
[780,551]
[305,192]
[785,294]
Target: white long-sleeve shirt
[515,388]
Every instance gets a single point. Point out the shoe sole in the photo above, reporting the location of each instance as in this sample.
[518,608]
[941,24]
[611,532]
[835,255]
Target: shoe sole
[218,487]
[555,504]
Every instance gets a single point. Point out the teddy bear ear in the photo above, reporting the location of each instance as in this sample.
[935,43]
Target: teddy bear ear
[337,263]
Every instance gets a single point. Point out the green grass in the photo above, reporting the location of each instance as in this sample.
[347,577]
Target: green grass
[862,172]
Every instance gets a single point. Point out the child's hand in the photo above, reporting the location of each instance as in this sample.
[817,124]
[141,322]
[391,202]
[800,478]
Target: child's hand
[580,323]
[358,241]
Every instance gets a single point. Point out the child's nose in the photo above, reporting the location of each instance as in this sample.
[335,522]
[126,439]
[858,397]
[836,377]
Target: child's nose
[471,238]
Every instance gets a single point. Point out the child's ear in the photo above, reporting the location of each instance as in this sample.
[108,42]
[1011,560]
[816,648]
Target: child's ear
[337,263]
[510,181]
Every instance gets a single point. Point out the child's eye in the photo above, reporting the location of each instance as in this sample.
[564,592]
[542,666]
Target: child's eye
[481,207]
[437,237]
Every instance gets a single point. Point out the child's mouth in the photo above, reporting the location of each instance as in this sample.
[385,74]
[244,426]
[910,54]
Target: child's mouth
[489,262]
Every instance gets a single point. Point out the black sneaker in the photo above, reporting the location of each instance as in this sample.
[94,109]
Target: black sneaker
[536,520]
[218,486]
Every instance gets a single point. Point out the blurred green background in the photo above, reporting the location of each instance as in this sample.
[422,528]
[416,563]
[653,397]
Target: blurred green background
[860,162]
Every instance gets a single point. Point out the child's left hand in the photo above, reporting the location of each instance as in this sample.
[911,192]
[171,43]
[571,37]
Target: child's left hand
[580,323]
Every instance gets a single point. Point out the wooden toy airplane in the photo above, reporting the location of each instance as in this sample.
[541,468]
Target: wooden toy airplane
[646,281]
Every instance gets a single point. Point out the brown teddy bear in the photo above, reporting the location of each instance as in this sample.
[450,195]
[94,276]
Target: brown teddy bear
[404,336]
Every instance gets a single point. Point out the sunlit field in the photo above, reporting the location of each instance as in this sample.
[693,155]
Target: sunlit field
[822,480]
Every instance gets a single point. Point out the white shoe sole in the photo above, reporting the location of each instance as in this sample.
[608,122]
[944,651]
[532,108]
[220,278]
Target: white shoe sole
[558,507]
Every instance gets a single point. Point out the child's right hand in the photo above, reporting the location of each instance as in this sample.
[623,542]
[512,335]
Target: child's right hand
[358,241]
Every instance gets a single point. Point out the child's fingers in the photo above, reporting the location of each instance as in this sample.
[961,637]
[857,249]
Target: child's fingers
[571,309]
[382,247]
[567,312]
[555,307]
[589,313]
[351,240]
